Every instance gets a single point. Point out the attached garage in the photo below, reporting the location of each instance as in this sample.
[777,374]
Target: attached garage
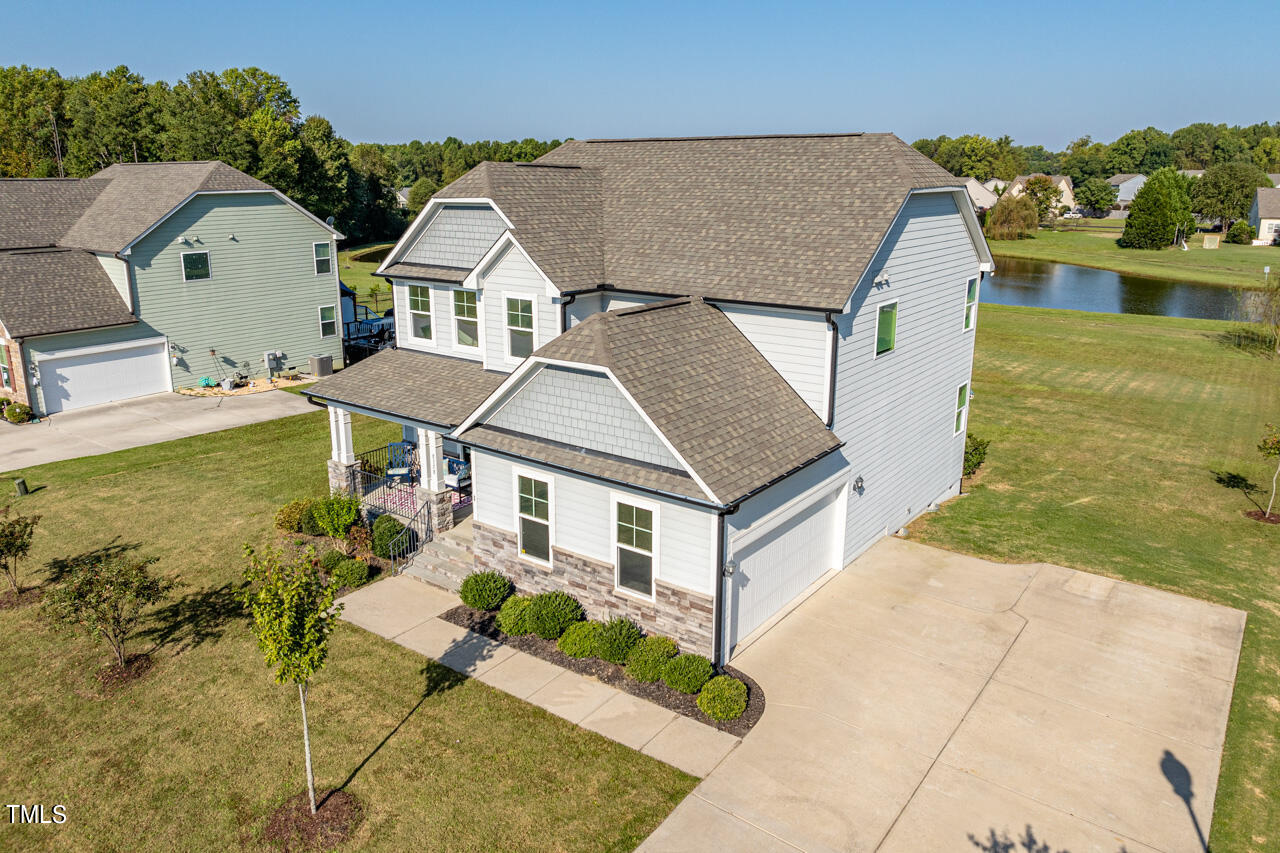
[86,376]
[778,558]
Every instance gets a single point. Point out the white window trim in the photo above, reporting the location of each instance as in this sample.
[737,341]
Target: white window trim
[453,320]
[616,498]
[964,421]
[875,329]
[182,262]
[541,477]
[431,313]
[315,261]
[337,323]
[507,329]
[977,295]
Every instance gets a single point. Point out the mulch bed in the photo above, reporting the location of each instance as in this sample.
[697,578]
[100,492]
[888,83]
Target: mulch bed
[294,827]
[1261,515]
[9,601]
[116,677]
[484,623]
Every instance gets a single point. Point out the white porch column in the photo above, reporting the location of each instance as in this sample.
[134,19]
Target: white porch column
[340,436]
[431,450]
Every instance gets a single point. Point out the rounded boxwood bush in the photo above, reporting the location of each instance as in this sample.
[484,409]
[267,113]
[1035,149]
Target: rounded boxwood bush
[687,673]
[550,613]
[352,573]
[484,590]
[17,413]
[723,698]
[650,655]
[385,529]
[580,639]
[513,618]
[331,559]
[618,637]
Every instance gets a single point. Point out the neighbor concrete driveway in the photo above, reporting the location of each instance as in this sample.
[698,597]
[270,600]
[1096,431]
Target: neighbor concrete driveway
[921,700]
[132,423]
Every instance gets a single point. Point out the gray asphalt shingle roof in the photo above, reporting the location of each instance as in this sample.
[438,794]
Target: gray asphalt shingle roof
[35,213]
[426,272]
[45,291]
[724,408]
[786,220]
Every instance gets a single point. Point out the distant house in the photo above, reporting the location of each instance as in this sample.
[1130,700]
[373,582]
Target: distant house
[1191,173]
[1264,214]
[151,276]
[1064,183]
[996,186]
[1126,186]
[982,197]
[1275,178]
[402,197]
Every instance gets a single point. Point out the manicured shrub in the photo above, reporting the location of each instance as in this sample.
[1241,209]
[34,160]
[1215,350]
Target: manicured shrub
[330,559]
[359,541]
[618,637]
[385,529]
[580,639]
[975,453]
[513,618]
[723,698]
[17,413]
[351,573]
[550,613]
[484,590]
[337,514]
[289,516]
[687,673]
[1241,233]
[650,655]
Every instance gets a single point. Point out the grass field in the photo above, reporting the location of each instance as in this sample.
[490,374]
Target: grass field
[1105,432]
[1229,265]
[358,275]
[198,754]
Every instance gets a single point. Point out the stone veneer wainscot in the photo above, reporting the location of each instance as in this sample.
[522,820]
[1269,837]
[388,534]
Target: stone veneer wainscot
[686,617]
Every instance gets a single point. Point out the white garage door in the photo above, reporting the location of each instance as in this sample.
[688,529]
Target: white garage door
[91,375]
[776,566]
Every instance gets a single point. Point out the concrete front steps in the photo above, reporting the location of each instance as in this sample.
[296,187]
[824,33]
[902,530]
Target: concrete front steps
[446,559]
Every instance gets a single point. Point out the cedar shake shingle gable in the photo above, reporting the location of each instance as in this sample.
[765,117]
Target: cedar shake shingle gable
[724,408]
[781,220]
[45,291]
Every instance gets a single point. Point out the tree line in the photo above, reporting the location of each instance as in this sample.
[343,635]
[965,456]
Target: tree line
[55,126]
[1196,146]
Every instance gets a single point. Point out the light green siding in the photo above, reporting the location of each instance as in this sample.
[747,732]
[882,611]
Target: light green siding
[262,294]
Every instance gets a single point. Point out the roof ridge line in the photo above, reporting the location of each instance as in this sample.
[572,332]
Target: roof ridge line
[838,134]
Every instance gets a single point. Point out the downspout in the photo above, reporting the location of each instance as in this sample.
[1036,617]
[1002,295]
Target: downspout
[831,373]
[564,312]
[722,557]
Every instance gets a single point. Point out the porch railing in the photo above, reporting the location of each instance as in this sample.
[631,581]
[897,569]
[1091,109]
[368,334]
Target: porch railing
[417,532]
[385,495]
[398,461]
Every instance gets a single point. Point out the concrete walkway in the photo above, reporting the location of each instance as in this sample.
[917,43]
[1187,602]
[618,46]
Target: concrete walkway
[133,423]
[404,610]
[928,701]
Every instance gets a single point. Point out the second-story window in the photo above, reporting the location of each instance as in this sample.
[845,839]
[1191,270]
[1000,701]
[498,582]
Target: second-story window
[324,264]
[195,266]
[971,304]
[466,325]
[520,328]
[420,311]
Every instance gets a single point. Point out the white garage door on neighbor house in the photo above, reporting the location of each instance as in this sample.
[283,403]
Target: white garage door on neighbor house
[72,379]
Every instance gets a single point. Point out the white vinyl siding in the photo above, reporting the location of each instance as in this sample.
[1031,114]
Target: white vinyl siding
[584,518]
[511,276]
[796,343]
[118,271]
[897,414]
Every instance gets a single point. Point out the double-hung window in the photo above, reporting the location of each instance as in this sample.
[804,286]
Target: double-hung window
[324,263]
[519,328]
[634,547]
[466,325]
[971,304]
[420,311]
[195,266]
[328,321]
[962,408]
[6,380]
[886,327]
[534,511]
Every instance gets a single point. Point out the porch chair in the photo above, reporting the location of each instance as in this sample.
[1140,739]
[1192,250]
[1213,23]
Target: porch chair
[400,461]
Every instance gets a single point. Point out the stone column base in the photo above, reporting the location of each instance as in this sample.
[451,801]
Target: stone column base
[340,475]
[439,507]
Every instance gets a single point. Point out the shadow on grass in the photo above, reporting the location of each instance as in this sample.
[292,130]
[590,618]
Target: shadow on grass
[1254,340]
[437,679]
[1238,483]
[59,567]
[196,618]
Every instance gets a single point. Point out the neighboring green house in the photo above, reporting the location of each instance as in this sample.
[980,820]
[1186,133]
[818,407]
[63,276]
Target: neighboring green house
[151,276]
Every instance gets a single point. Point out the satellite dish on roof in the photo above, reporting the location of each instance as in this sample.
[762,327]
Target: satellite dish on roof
[328,220]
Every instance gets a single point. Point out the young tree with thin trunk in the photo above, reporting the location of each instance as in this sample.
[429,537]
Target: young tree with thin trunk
[293,616]
[1269,447]
[16,533]
[106,597]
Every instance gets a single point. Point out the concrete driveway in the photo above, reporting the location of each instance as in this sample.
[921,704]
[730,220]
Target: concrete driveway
[132,423]
[927,701]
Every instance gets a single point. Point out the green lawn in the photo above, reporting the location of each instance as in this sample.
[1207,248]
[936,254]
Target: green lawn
[358,275]
[1105,430]
[1230,265]
[199,753]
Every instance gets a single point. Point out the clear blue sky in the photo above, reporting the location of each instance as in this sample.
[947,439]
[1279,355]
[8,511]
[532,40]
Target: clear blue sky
[395,71]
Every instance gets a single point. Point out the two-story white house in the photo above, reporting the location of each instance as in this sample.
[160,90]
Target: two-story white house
[686,378]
